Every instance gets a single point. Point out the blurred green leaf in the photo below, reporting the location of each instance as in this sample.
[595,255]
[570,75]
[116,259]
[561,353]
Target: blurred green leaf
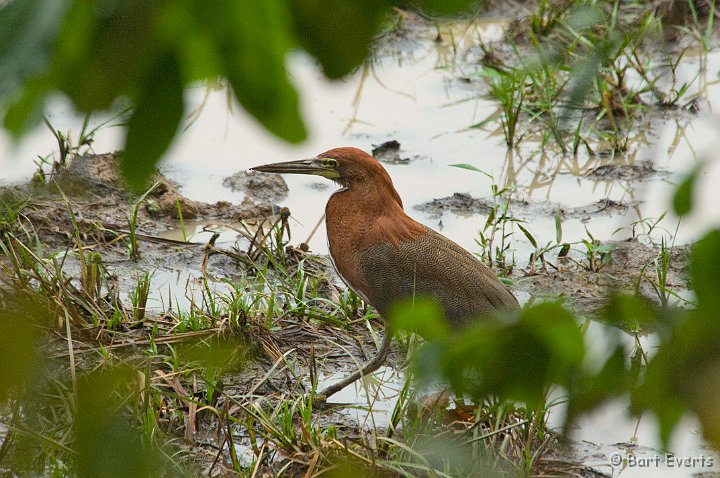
[345,464]
[20,362]
[153,124]
[683,198]
[100,51]
[629,312]
[422,315]
[556,328]
[216,352]
[337,32]
[515,359]
[598,55]
[252,39]
[705,270]
[591,390]
[27,34]
[106,442]
[683,375]
[109,49]
[27,111]
[663,390]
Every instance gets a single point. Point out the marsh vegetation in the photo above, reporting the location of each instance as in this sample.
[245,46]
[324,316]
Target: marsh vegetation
[151,333]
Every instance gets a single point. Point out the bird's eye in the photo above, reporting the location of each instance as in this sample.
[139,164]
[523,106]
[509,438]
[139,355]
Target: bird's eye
[330,163]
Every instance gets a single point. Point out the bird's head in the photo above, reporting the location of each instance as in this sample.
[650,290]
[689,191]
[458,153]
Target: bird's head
[347,166]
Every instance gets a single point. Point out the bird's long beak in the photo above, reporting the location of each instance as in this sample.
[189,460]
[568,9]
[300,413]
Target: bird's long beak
[304,166]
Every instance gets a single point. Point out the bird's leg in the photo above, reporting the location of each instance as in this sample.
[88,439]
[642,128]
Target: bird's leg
[369,367]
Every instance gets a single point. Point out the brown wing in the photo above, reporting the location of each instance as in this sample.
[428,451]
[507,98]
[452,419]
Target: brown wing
[432,265]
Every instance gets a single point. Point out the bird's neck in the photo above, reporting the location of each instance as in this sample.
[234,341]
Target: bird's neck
[358,218]
[364,215]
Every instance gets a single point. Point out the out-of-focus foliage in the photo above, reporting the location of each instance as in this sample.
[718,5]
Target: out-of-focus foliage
[683,199]
[516,356]
[519,357]
[89,422]
[20,363]
[97,51]
[422,316]
[340,43]
[106,442]
[684,374]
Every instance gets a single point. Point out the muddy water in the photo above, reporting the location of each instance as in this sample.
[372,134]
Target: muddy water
[416,94]
[373,398]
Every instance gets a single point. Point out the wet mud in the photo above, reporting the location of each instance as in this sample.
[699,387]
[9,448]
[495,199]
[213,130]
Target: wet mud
[101,202]
[258,186]
[464,204]
[639,171]
[631,268]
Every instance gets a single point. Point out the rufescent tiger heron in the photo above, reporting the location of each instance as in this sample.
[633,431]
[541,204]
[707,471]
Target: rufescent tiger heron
[385,256]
